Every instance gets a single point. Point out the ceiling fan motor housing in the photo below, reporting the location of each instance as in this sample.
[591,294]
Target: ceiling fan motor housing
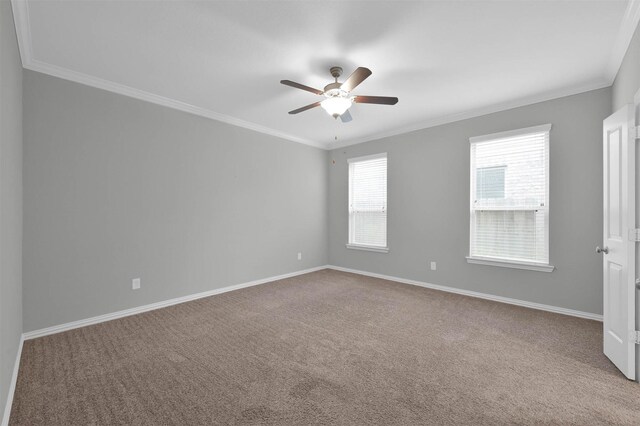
[335,72]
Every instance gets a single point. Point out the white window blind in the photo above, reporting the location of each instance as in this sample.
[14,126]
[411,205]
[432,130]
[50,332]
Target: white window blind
[368,201]
[510,196]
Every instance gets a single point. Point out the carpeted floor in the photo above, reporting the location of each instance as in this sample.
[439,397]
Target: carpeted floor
[326,348]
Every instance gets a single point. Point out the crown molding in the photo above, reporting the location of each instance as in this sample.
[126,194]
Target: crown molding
[25,45]
[23,30]
[121,89]
[478,112]
[20,10]
[627,29]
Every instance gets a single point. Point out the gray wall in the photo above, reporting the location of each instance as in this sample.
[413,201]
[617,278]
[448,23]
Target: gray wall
[627,81]
[10,199]
[428,197]
[117,188]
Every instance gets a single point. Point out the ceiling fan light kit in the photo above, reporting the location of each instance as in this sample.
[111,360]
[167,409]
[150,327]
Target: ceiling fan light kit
[336,105]
[338,98]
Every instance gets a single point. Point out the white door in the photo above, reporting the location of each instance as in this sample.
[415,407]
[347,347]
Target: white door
[618,240]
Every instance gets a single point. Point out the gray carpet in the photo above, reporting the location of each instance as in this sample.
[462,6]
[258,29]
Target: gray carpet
[326,348]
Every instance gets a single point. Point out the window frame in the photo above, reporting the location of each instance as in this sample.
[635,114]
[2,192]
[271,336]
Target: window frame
[501,261]
[350,244]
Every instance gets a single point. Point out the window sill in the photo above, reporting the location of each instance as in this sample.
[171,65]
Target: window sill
[368,248]
[540,267]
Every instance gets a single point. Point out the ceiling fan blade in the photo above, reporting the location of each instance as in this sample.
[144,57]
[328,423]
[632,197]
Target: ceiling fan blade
[304,108]
[346,117]
[356,78]
[301,86]
[383,100]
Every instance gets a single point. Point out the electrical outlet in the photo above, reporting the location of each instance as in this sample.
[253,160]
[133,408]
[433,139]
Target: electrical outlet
[135,284]
[299,256]
[433,266]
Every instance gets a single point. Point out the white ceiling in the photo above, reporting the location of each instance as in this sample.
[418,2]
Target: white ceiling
[445,60]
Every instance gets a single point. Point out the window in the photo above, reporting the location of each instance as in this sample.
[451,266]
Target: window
[368,203]
[510,199]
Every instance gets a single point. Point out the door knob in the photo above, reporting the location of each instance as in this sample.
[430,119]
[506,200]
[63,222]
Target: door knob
[602,250]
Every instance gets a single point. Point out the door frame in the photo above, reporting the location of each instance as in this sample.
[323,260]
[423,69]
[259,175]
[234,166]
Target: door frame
[636,103]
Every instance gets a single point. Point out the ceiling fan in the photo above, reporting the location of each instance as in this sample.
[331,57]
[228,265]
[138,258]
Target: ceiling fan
[338,98]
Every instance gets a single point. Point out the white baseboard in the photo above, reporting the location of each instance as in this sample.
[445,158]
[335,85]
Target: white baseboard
[12,385]
[532,305]
[132,311]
